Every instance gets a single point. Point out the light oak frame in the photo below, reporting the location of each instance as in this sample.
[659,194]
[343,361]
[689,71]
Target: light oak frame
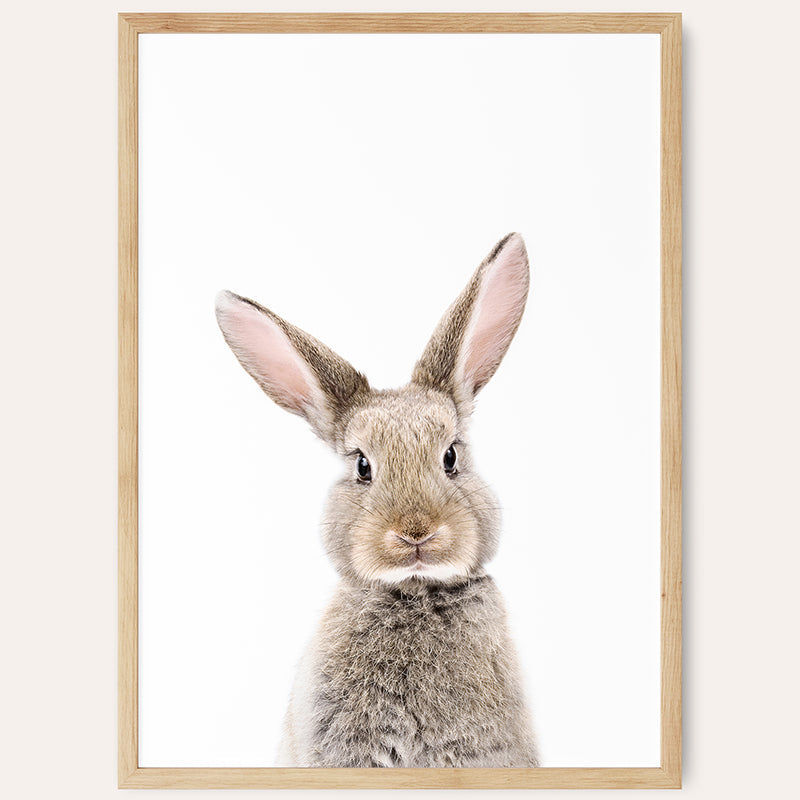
[668,775]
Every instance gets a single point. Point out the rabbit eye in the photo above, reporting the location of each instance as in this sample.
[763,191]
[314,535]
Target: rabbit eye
[363,469]
[449,460]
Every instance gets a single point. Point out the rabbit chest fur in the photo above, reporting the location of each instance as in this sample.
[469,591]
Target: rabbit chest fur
[415,678]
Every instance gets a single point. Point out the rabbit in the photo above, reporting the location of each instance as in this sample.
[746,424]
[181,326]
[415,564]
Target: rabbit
[412,664]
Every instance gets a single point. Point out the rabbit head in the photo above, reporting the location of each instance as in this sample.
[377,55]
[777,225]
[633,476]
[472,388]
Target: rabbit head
[409,506]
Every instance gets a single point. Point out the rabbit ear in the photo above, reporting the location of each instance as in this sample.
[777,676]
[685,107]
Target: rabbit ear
[474,334]
[296,370]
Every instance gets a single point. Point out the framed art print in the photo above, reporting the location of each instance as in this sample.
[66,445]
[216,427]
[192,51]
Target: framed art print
[400,400]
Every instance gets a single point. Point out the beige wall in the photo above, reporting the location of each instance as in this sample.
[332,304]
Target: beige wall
[58,396]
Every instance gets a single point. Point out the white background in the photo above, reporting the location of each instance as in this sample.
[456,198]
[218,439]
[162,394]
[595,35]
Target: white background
[352,184]
[58,421]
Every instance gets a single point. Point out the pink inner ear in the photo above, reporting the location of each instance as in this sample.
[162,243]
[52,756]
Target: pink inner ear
[266,353]
[499,309]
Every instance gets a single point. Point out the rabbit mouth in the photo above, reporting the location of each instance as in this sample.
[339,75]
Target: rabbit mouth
[435,557]
[423,556]
[420,556]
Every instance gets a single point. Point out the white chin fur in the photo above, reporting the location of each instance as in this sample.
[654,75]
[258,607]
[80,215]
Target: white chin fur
[434,572]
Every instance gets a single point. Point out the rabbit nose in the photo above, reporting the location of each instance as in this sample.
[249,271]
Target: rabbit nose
[415,527]
[417,536]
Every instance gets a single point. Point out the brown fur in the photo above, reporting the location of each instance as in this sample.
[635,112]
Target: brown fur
[412,665]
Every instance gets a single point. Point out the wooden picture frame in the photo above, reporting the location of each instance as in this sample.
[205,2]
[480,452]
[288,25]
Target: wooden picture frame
[668,774]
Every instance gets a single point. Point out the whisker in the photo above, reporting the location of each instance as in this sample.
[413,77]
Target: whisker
[486,507]
[474,491]
[379,513]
